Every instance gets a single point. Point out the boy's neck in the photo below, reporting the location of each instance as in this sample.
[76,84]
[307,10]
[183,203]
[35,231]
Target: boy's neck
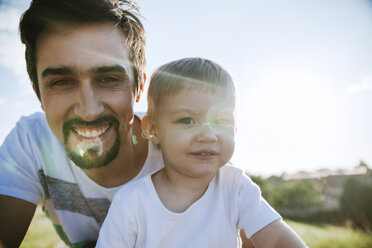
[178,192]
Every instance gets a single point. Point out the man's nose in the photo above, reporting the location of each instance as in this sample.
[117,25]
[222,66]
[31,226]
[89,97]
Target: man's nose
[206,133]
[88,105]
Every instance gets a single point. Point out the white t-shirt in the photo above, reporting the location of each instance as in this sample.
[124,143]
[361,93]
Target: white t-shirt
[34,167]
[137,217]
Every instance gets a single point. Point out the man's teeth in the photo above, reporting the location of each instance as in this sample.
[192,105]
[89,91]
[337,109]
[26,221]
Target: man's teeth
[92,134]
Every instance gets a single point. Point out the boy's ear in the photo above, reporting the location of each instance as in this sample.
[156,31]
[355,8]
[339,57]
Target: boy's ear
[141,86]
[149,130]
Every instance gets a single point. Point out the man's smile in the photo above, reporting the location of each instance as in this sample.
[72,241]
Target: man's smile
[92,144]
[93,129]
[91,132]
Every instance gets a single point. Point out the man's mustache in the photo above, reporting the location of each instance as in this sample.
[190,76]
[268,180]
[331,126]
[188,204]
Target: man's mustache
[69,124]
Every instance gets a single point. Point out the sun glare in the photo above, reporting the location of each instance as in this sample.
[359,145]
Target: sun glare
[295,111]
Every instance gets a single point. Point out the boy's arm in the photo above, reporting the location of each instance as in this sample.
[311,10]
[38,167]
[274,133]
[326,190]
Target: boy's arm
[277,234]
[15,218]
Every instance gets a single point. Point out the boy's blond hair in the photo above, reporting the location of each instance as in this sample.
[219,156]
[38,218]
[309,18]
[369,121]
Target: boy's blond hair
[187,73]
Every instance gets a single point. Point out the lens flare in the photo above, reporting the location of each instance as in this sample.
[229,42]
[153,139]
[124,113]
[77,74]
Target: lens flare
[91,146]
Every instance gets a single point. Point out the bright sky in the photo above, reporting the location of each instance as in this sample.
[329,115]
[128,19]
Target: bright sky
[303,70]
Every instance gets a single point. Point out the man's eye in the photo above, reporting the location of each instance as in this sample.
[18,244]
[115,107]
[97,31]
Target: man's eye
[109,79]
[62,83]
[186,121]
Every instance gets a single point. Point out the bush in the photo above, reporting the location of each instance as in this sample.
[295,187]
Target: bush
[356,203]
[301,195]
[296,199]
[331,216]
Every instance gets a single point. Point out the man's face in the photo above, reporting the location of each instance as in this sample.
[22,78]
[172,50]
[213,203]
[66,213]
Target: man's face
[86,87]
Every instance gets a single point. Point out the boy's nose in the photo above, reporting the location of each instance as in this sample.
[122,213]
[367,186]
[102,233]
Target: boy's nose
[206,133]
[88,105]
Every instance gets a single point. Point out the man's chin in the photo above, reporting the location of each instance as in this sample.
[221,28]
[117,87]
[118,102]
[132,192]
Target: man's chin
[93,157]
[87,162]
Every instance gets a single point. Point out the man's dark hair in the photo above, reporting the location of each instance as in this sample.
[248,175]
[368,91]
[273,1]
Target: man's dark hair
[43,14]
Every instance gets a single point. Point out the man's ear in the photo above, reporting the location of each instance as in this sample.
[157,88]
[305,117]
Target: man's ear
[41,103]
[149,130]
[141,86]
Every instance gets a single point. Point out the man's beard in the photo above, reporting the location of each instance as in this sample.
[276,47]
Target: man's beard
[92,157]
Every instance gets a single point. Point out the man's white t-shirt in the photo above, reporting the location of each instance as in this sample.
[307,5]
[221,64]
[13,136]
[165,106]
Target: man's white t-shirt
[34,167]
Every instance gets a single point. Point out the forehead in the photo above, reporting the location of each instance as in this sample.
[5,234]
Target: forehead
[198,100]
[81,47]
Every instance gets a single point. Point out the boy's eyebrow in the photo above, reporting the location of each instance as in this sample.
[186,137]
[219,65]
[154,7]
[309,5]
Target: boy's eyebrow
[184,111]
[56,71]
[97,70]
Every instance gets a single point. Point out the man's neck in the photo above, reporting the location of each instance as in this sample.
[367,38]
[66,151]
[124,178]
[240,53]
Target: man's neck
[128,163]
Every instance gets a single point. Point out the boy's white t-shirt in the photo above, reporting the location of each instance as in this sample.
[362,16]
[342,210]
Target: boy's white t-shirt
[137,217]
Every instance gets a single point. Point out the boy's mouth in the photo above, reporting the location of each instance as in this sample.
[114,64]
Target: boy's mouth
[204,153]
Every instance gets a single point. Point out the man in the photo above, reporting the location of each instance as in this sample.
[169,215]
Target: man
[86,62]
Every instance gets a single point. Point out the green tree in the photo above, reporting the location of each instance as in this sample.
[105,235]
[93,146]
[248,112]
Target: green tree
[356,203]
[296,194]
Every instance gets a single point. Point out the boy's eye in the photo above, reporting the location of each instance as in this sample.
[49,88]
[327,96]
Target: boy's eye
[186,121]
[220,122]
[224,122]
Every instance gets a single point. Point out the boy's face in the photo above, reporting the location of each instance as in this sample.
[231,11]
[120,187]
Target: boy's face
[195,130]
[86,86]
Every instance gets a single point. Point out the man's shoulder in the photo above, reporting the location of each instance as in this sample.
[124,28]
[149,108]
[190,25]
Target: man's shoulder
[32,131]
[35,121]
[34,126]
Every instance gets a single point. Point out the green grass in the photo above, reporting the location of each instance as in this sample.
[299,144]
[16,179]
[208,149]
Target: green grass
[328,236]
[41,234]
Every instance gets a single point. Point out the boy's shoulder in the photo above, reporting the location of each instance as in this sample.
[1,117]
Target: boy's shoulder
[134,188]
[229,171]
[234,177]
[230,167]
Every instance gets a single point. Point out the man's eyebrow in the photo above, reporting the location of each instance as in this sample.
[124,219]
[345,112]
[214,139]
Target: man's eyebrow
[56,71]
[110,68]
[97,70]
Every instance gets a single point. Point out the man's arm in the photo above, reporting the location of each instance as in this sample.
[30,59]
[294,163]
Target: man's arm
[15,218]
[277,234]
